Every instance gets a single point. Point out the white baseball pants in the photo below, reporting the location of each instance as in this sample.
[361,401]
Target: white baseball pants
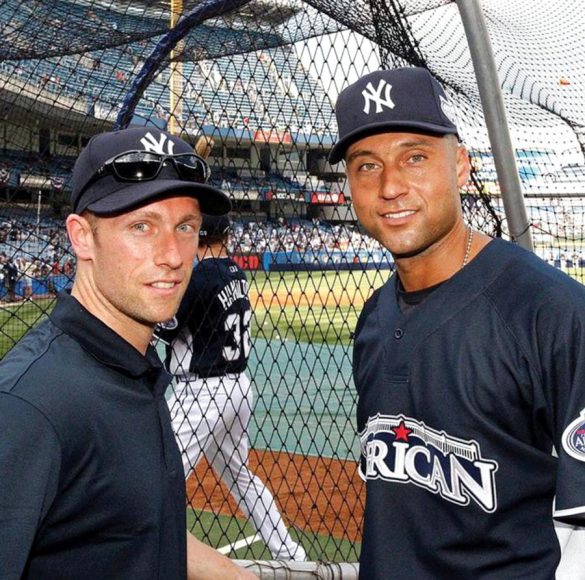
[210,417]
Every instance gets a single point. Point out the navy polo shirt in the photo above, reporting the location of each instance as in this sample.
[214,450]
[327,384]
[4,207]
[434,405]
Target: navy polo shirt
[91,480]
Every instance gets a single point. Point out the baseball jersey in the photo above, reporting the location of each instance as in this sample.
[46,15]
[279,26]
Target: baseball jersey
[210,335]
[91,480]
[461,401]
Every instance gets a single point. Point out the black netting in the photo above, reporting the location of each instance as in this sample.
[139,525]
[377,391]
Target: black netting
[259,82]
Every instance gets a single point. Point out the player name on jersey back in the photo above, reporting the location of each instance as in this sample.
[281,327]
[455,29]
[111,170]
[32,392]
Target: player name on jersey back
[235,290]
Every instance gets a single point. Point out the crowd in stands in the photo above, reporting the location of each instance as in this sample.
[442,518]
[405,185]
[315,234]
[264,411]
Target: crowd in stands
[32,251]
[268,90]
[17,168]
[297,236]
[264,186]
[41,250]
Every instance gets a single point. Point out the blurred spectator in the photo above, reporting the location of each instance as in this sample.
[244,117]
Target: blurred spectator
[68,268]
[22,266]
[3,260]
[10,277]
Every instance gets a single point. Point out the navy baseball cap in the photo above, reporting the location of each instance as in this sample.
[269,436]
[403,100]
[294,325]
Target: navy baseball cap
[214,225]
[105,193]
[391,100]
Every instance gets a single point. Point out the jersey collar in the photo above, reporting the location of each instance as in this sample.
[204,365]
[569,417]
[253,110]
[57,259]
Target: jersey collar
[453,294]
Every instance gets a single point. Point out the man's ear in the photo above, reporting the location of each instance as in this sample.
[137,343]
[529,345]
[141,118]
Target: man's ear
[463,166]
[81,236]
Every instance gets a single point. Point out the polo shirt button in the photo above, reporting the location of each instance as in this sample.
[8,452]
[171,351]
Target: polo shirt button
[398,333]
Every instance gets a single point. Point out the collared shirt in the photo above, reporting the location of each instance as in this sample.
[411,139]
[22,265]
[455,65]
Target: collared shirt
[91,480]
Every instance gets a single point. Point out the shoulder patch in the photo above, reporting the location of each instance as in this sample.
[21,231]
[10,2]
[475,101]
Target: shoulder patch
[574,438]
[170,324]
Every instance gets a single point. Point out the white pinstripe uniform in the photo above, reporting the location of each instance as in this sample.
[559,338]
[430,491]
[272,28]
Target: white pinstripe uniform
[211,413]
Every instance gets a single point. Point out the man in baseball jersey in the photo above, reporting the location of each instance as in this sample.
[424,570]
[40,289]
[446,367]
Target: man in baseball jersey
[469,362]
[208,349]
[91,483]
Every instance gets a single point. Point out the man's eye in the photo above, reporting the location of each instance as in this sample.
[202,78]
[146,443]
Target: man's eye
[188,228]
[140,227]
[367,167]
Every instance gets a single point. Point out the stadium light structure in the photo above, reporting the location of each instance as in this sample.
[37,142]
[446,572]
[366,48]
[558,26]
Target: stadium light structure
[492,102]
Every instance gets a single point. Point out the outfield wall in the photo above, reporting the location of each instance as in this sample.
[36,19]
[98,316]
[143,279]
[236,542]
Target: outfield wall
[316,260]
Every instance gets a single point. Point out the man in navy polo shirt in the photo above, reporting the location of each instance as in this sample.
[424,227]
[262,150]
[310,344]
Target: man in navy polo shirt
[91,480]
[469,362]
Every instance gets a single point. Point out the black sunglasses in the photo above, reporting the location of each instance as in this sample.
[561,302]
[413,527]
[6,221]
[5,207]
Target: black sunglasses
[136,166]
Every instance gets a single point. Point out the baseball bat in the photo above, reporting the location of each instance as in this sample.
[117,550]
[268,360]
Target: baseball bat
[204,146]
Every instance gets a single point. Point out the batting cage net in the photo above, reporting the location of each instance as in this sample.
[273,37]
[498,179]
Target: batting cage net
[252,86]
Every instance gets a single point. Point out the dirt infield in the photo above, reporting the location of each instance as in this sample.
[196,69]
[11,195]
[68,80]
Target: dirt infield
[315,289]
[317,494]
[283,298]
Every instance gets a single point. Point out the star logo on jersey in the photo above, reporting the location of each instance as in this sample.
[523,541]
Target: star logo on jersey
[401,432]
[574,438]
[400,449]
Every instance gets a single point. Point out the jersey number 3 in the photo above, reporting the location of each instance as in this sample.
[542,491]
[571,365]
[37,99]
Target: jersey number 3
[239,326]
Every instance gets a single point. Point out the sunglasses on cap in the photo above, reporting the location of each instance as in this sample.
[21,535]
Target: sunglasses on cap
[137,166]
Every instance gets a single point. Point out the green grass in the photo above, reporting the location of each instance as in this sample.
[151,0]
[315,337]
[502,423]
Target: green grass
[305,324]
[220,530]
[310,320]
[16,320]
[315,279]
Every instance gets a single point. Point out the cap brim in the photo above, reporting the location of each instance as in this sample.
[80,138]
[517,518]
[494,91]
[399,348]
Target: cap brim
[338,150]
[212,201]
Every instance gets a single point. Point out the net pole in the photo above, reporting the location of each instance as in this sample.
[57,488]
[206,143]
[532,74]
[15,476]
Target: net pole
[176,72]
[494,110]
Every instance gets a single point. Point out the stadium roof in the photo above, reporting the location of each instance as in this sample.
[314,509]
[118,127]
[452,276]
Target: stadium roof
[270,12]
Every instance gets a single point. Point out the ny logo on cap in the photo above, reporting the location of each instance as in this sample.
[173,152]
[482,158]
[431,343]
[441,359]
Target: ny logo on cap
[150,143]
[371,94]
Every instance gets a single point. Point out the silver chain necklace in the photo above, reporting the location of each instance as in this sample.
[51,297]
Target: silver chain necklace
[467,247]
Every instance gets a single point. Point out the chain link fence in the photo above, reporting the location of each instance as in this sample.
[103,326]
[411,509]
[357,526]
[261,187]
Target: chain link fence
[259,79]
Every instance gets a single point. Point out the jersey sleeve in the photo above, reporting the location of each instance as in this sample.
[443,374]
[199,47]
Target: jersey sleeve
[29,474]
[565,381]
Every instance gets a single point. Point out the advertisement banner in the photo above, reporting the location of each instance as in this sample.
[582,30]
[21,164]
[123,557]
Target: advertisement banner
[248,261]
[328,197]
[272,136]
